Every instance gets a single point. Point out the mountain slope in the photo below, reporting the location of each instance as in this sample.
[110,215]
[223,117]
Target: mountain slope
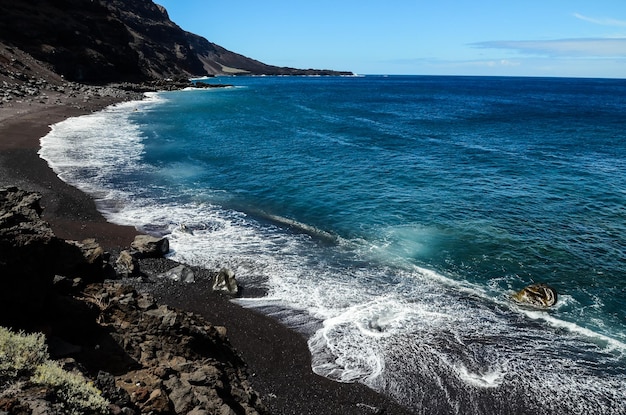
[118,40]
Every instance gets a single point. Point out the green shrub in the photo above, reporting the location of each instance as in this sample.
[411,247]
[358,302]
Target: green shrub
[77,395]
[26,355]
[20,353]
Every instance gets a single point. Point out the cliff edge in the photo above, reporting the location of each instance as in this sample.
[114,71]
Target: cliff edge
[102,41]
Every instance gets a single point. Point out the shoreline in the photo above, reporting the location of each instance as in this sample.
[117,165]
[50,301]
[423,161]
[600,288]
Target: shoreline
[278,358]
[71,213]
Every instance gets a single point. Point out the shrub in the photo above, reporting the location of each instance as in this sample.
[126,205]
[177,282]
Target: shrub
[72,390]
[20,353]
[26,356]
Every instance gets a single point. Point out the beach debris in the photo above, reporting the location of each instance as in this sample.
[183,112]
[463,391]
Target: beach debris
[225,281]
[538,295]
[147,246]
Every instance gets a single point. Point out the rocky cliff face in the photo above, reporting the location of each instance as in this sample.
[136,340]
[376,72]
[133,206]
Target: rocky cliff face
[145,358]
[118,40]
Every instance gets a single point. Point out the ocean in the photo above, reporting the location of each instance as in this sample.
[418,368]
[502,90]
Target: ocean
[390,219]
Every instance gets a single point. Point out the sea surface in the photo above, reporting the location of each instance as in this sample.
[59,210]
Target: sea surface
[390,219]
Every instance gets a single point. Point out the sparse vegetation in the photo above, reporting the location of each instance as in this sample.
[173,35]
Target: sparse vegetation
[24,357]
[20,353]
[77,395]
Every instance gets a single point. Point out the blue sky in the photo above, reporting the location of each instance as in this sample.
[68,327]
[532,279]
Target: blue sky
[436,37]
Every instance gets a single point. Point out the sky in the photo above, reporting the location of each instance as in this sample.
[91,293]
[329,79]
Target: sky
[566,38]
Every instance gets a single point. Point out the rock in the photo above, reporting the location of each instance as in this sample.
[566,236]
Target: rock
[225,281]
[104,41]
[116,395]
[58,347]
[91,261]
[180,273]
[126,265]
[538,295]
[149,358]
[150,246]
[92,251]
[30,256]
[157,403]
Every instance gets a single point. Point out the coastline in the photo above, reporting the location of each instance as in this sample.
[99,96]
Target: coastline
[71,213]
[277,357]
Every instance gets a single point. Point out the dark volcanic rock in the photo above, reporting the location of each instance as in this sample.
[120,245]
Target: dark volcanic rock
[28,252]
[31,255]
[147,246]
[118,40]
[169,361]
[145,357]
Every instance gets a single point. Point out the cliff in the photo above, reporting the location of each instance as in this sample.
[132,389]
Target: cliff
[142,357]
[100,41]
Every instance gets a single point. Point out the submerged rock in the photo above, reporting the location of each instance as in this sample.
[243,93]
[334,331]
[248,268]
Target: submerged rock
[538,295]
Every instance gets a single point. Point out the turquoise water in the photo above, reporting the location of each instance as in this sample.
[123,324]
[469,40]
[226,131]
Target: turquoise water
[390,218]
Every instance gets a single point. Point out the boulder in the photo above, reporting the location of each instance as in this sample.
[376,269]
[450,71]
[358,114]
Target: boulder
[91,250]
[86,260]
[147,246]
[225,282]
[537,295]
[126,265]
[174,362]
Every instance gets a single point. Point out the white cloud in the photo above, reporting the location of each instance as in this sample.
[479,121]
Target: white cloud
[605,21]
[591,47]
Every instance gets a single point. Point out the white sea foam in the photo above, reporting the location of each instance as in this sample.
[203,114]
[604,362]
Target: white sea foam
[489,379]
[88,151]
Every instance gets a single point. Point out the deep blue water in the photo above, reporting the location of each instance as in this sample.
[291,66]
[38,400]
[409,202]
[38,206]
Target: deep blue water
[390,219]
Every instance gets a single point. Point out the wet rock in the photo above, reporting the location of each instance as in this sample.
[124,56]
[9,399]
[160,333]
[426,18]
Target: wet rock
[225,282]
[537,295]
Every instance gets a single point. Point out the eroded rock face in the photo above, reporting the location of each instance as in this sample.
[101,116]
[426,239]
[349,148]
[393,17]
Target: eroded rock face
[537,295]
[28,256]
[31,256]
[172,361]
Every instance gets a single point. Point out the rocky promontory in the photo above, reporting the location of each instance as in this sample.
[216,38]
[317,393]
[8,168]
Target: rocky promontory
[144,357]
[102,41]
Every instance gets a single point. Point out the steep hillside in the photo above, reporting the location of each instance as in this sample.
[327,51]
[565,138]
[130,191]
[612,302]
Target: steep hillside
[118,40]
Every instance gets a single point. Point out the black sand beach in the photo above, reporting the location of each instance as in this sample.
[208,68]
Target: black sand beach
[278,358]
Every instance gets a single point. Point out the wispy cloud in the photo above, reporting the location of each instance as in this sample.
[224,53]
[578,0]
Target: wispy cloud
[604,21]
[589,47]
